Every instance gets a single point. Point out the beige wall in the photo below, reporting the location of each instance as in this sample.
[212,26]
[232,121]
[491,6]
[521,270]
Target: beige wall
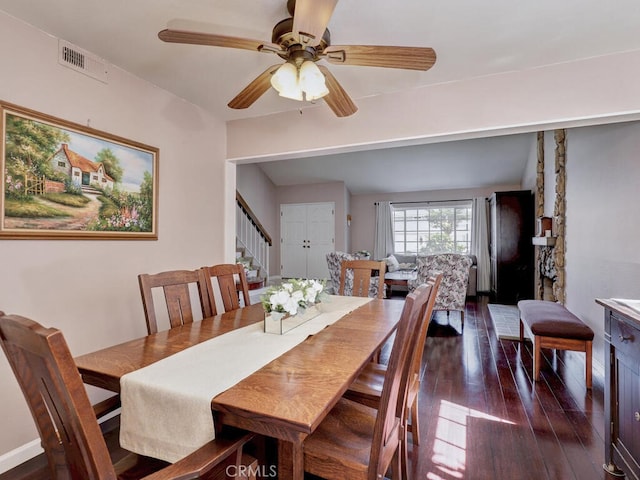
[89,288]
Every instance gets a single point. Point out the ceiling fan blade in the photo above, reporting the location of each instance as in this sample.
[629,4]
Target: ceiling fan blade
[310,19]
[337,99]
[211,39]
[254,90]
[409,58]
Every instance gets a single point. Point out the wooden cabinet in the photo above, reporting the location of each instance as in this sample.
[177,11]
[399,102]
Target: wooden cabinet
[622,389]
[307,234]
[511,250]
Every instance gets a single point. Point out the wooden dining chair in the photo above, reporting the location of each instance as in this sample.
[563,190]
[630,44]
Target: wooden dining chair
[177,294]
[367,388]
[69,431]
[232,281]
[355,441]
[359,275]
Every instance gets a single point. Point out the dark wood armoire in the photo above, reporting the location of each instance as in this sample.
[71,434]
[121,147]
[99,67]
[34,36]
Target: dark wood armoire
[511,248]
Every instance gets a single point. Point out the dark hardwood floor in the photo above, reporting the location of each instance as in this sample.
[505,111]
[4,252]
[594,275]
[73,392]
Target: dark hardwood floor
[480,415]
[483,418]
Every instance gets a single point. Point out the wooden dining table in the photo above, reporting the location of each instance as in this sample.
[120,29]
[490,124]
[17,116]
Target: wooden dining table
[288,397]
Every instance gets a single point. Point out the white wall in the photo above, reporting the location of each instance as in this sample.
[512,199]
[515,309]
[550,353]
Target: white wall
[529,177]
[89,289]
[603,220]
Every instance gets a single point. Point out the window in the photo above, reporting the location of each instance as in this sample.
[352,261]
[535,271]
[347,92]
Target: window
[62,164]
[442,227]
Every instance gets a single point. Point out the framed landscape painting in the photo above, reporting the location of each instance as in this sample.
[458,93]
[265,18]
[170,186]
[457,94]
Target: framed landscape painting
[61,180]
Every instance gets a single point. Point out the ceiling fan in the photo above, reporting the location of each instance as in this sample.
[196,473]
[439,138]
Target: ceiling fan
[302,40]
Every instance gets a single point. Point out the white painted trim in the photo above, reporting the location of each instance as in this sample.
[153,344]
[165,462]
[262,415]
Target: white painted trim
[32,449]
[20,455]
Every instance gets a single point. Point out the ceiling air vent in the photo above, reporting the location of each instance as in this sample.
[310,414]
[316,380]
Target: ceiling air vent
[82,61]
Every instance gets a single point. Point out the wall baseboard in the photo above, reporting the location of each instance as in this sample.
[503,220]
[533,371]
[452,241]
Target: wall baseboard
[20,455]
[34,448]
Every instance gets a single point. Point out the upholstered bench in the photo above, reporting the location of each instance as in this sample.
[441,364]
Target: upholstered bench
[553,326]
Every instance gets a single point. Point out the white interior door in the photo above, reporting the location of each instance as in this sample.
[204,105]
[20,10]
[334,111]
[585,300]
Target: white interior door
[307,234]
[320,238]
[293,237]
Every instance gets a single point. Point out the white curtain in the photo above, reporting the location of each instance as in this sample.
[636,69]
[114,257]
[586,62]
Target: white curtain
[480,242]
[383,239]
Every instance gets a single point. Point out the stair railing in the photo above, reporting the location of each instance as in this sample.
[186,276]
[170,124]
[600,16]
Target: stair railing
[252,236]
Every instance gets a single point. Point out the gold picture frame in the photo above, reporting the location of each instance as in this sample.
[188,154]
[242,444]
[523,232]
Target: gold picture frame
[62,180]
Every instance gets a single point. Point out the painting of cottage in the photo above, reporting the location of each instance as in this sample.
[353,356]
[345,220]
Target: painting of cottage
[63,180]
[82,171]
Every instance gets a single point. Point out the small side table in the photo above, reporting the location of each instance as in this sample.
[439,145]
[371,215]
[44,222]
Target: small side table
[399,278]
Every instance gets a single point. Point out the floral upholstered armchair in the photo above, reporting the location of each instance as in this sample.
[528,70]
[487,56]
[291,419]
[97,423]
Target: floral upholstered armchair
[452,293]
[334,262]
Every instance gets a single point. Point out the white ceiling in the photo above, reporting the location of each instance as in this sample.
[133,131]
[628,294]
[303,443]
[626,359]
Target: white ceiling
[475,163]
[470,38]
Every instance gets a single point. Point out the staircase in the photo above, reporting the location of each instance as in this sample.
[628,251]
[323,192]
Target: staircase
[256,276]
[252,245]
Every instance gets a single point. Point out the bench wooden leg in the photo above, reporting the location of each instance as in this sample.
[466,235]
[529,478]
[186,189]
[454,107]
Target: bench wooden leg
[521,331]
[540,342]
[537,357]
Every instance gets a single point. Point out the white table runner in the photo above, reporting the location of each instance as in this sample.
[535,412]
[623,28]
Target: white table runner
[166,406]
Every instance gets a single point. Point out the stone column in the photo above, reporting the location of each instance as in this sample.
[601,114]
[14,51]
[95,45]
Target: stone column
[539,199]
[559,214]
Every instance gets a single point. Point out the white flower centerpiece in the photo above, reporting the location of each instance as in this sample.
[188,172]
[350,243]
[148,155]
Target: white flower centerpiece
[290,304]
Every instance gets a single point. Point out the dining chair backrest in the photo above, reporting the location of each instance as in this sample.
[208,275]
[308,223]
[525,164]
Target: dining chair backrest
[386,430]
[231,281]
[411,380]
[421,334]
[53,388]
[176,285]
[69,431]
[363,272]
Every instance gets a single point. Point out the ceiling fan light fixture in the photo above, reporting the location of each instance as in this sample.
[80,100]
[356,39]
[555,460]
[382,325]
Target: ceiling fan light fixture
[300,41]
[312,81]
[286,83]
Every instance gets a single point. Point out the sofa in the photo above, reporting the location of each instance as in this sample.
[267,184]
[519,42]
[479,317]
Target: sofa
[410,262]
